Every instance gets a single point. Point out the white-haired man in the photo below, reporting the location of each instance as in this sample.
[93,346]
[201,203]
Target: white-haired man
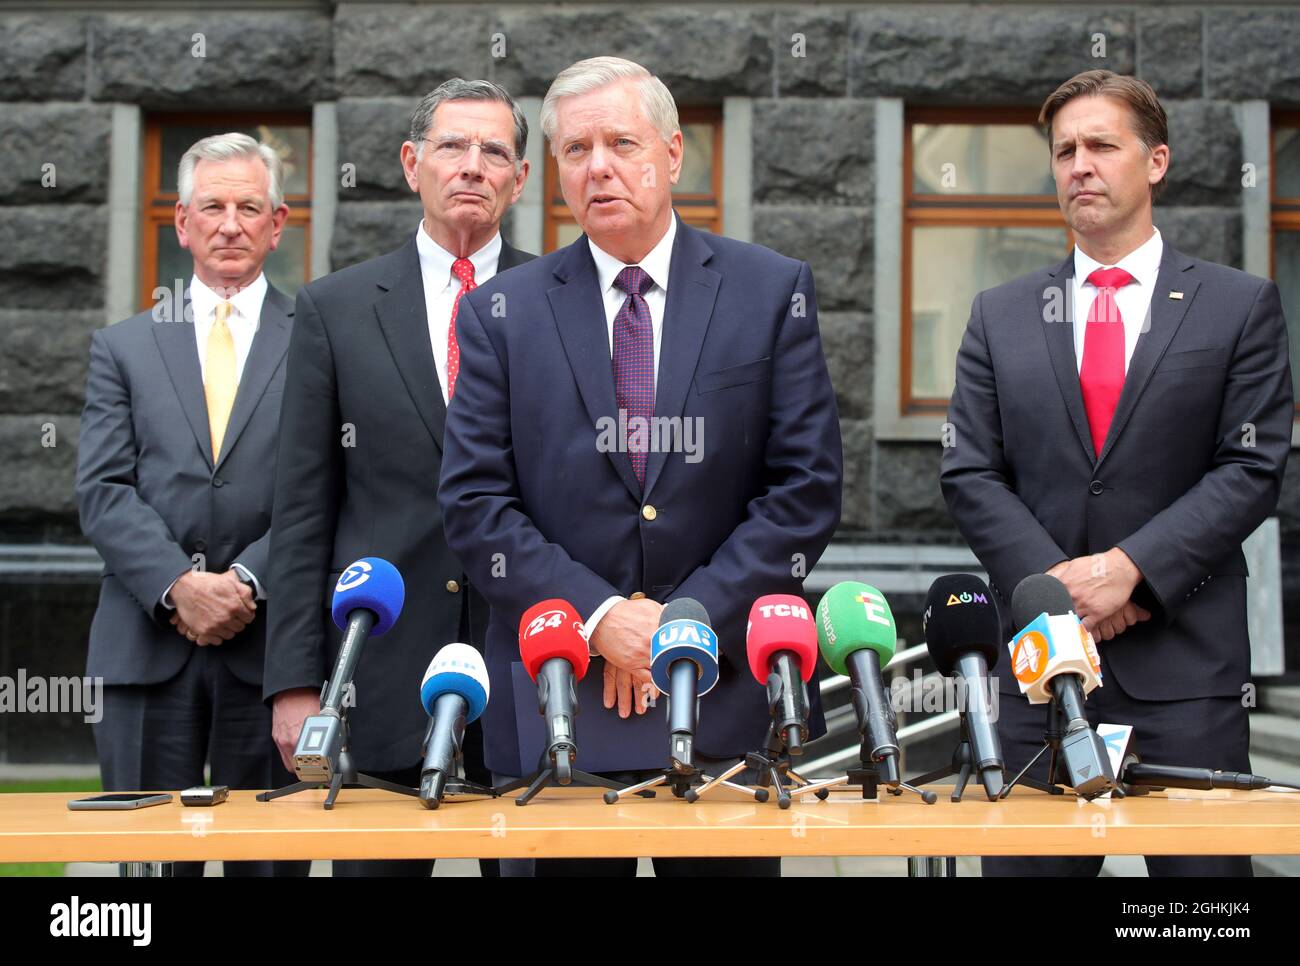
[174,487]
[642,318]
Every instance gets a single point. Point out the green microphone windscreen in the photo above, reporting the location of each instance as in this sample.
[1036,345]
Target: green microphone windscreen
[853,616]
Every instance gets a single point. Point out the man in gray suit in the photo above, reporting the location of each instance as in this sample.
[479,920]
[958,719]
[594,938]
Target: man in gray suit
[1122,421]
[174,486]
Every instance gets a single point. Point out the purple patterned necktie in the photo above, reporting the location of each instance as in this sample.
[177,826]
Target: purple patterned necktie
[634,364]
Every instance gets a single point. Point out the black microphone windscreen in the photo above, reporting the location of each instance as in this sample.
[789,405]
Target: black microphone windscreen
[684,609]
[961,617]
[1037,594]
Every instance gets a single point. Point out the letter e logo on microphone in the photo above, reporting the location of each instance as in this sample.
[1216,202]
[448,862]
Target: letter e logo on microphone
[354,576]
[1029,658]
[874,606]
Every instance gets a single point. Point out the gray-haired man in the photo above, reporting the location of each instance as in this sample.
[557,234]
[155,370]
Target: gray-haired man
[174,485]
[372,367]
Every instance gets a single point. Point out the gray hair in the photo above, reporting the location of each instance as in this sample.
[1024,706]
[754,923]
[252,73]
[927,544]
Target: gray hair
[459,89]
[227,147]
[657,102]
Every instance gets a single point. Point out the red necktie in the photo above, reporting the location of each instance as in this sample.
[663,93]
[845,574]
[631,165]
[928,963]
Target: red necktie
[463,269]
[1102,375]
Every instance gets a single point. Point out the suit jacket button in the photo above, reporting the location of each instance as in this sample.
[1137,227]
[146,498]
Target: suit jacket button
[649,512]
[637,596]
[218,481]
[200,545]
[1096,487]
[453,587]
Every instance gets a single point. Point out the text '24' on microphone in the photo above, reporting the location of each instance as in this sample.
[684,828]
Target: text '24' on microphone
[962,631]
[857,636]
[454,693]
[553,647]
[684,666]
[1055,662]
[367,601]
[781,644]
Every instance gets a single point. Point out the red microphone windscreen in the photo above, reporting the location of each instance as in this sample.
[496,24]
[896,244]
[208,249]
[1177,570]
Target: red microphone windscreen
[781,622]
[550,629]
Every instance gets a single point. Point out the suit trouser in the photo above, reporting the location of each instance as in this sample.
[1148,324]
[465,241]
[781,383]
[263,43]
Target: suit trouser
[159,736]
[758,867]
[1197,732]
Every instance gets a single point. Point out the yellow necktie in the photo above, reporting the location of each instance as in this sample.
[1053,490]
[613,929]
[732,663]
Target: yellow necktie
[219,379]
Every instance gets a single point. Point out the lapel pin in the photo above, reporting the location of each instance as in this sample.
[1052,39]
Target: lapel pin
[1176,295]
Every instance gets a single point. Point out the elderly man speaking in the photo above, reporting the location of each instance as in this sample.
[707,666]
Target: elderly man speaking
[641,318]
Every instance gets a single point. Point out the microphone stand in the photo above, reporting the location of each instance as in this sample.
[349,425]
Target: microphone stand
[436,784]
[1056,721]
[682,776]
[962,765]
[555,766]
[344,775]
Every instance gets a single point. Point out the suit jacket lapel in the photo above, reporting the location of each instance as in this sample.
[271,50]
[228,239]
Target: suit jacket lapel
[1060,345]
[180,355]
[404,321]
[579,311]
[1165,316]
[264,356]
[692,290]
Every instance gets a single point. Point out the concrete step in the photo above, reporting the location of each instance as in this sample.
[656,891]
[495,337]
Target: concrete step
[1281,700]
[1275,736]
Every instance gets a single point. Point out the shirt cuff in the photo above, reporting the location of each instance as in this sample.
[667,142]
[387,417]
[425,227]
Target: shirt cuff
[166,598]
[595,619]
[259,592]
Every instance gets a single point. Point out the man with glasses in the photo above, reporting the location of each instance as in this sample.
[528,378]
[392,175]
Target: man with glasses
[372,367]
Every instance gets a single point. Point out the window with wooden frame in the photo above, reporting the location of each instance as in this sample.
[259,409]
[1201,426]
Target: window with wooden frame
[979,209]
[166,138]
[697,196]
[1285,220]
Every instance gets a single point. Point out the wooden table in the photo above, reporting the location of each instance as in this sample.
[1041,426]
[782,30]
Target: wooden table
[573,822]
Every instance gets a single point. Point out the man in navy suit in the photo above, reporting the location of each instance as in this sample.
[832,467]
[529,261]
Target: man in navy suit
[1122,421]
[642,318]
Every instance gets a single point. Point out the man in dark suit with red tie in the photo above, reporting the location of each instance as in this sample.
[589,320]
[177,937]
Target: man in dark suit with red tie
[1122,421]
[372,366]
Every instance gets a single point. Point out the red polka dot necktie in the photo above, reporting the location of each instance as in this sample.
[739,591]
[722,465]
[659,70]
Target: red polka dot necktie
[463,269]
[634,364]
[1101,377]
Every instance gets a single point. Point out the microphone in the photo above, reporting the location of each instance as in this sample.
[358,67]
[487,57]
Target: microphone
[962,631]
[553,646]
[1139,777]
[368,600]
[781,643]
[454,693]
[1054,658]
[1177,776]
[684,666]
[855,630]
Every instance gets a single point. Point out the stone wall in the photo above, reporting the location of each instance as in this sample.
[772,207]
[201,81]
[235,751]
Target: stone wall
[813,156]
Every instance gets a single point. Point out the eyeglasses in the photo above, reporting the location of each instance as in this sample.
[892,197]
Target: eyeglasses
[453,149]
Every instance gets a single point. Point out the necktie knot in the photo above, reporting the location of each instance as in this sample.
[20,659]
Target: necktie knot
[463,269]
[634,281]
[1110,278]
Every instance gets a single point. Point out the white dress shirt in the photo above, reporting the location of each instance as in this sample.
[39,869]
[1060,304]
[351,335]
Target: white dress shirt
[655,264]
[1133,299]
[243,320]
[441,288]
